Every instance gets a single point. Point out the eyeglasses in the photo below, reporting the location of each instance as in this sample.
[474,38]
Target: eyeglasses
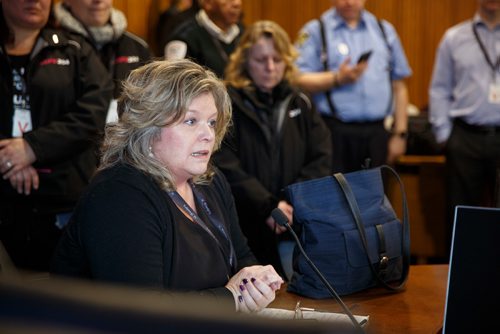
[299,315]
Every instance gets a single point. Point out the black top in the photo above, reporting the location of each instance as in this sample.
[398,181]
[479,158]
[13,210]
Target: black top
[69,91]
[202,47]
[276,139]
[126,229]
[122,56]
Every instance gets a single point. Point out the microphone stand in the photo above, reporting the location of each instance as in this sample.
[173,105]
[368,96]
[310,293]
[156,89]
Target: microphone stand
[282,220]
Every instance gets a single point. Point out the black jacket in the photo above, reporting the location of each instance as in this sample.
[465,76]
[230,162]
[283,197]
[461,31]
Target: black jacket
[127,229]
[123,55]
[69,93]
[120,52]
[203,48]
[260,161]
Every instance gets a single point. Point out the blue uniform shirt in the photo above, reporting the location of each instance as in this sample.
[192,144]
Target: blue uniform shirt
[462,78]
[369,98]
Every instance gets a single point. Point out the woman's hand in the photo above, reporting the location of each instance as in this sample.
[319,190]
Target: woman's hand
[254,287]
[288,211]
[15,154]
[24,180]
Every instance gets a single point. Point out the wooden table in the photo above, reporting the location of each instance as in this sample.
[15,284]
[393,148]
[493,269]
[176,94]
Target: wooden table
[419,309]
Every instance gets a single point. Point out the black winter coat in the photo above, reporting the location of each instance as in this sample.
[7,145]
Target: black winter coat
[203,48]
[259,160]
[123,55]
[69,91]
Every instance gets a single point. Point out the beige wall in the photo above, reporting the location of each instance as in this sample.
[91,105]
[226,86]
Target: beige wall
[420,24]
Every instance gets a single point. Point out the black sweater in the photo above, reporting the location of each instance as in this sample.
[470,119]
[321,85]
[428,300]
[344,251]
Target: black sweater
[69,92]
[126,229]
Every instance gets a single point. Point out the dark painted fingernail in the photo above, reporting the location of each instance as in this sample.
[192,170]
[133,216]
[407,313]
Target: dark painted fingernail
[245,281]
[242,287]
[252,279]
[240,298]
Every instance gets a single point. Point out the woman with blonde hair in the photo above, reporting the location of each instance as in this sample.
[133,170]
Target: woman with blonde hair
[158,214]
[277,137]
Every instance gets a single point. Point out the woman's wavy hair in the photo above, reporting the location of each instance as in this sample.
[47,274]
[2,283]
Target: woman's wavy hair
[236,73]
[154,96]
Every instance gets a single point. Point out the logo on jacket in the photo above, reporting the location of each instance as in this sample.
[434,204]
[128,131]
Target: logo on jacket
[126,60]
[55,61]
[294,113]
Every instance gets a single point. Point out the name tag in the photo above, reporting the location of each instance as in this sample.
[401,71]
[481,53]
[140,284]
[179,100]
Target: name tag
[21,122]
[494,94]
[112,115]
[294,113]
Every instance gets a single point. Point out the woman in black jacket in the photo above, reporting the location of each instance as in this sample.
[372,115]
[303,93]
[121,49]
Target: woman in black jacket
[54,94]
[277,137]
[105,28]
[158,215]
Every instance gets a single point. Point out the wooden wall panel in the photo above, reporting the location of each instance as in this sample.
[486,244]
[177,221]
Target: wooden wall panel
[420,25]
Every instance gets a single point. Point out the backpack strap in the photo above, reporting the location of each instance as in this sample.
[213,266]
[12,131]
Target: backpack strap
[384,34]
[405,246]
[324,61]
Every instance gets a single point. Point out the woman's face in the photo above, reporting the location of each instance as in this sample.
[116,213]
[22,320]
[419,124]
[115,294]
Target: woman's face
[93,13]
[26,14]
[266,67]
[185,147]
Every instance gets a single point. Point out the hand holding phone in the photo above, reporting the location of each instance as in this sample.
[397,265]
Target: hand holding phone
[365,56]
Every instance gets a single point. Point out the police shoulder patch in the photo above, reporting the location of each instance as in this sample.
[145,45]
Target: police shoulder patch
[302,38]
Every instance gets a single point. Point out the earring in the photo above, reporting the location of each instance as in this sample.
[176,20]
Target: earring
[151,152]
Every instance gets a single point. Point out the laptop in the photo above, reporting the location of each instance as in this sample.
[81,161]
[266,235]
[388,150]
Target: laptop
[473,292]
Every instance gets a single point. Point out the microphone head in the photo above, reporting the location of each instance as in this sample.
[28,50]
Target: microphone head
[279,217]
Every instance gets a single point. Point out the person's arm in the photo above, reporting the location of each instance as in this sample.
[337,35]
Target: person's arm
[312,77]
[397,142]
[122,233]
[316,82]
[441,93]
[400,70]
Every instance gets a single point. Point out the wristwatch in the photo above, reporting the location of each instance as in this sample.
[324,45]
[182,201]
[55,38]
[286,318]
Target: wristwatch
[402,134]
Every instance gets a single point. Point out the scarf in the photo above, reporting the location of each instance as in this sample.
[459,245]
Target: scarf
[113,30]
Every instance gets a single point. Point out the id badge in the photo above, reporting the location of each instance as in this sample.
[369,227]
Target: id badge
[494,93]
[21,122]
[112,115]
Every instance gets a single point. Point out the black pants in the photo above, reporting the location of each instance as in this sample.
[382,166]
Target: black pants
[353,143]
[28,236]
[472,155]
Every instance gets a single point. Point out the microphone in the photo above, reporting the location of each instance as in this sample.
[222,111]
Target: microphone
[281,219]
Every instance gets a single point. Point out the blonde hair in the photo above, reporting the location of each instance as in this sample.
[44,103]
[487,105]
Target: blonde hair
[236,73]
[154,96]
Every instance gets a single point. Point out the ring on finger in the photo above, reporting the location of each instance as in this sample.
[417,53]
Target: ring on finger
[8,164]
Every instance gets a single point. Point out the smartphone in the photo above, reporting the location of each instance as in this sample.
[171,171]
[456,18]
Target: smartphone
[365,56]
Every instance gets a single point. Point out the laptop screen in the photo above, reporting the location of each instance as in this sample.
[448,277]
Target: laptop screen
[473,295]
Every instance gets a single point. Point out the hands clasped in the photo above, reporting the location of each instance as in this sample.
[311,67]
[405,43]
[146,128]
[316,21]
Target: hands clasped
[16,157]
[254,287]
